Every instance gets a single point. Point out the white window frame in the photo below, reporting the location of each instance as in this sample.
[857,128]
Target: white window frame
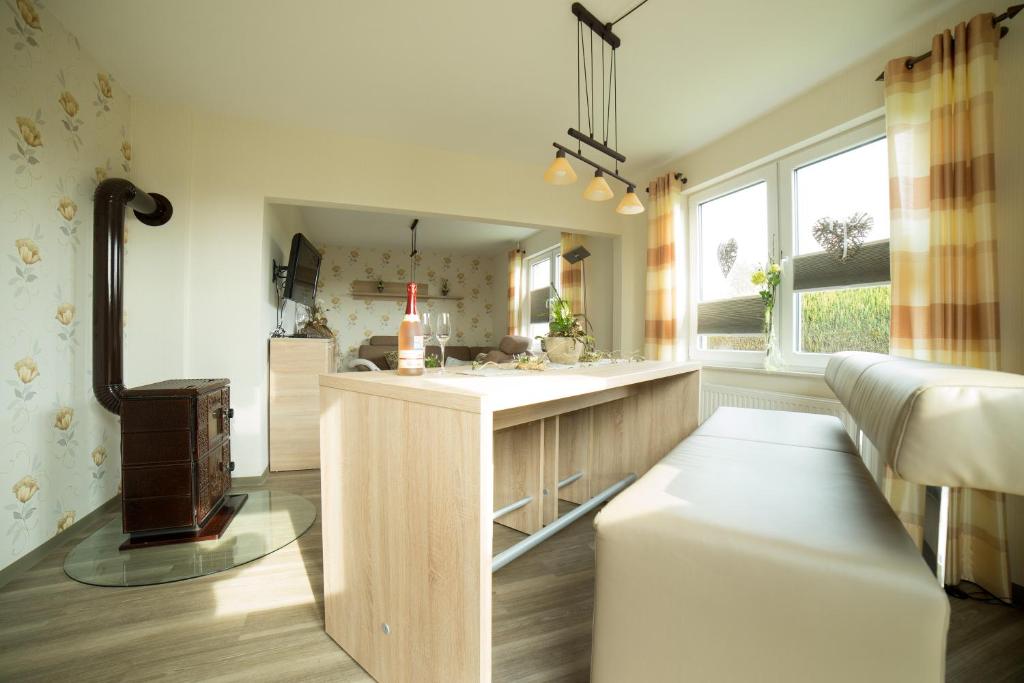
[554,253]
[788,166]
[767,174]
[778,174]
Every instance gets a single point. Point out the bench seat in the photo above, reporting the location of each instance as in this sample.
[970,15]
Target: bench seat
[761,549]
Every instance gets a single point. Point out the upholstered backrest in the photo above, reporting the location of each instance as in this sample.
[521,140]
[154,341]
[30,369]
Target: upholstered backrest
[940,425]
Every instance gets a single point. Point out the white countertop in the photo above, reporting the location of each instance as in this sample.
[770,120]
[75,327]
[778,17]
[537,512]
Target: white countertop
[479,393]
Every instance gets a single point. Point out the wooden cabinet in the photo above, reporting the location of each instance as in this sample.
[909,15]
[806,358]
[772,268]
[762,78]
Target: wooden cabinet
[175,455]
[294,411]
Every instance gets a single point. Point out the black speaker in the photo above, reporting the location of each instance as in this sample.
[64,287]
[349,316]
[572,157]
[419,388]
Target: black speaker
[576,255]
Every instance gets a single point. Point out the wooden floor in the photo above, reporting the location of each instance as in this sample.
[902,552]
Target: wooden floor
[264,621]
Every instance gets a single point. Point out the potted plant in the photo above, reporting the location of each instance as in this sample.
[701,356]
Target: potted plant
[566,339]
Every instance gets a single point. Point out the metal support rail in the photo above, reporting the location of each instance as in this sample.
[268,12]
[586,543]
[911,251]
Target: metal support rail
[512,507]
[536,538]
[568,480]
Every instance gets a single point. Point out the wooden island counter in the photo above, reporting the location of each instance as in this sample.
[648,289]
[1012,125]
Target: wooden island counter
[413,470]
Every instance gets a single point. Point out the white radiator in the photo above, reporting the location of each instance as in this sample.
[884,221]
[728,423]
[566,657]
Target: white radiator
[714,396]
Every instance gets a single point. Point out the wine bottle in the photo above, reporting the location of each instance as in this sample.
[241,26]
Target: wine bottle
[410,336]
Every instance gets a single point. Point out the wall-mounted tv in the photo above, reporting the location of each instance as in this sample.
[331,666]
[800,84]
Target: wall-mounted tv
[303,271]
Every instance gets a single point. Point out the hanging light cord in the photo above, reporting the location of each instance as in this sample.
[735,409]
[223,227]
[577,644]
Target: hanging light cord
[635,8]
[604,113]
[579,116]
[588,81]
[615,90]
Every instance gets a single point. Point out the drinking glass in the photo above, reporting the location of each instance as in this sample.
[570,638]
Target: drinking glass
[427,325]
[443,331]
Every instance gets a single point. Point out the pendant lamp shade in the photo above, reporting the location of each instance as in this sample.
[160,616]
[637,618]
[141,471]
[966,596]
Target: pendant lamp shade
[630,203]
[560,172]
[598,190]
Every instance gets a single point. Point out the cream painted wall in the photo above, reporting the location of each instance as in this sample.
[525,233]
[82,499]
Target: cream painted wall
[156,259]
[854,93]
[227,170]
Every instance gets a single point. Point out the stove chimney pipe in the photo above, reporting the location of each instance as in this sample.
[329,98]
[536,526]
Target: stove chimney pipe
[112,197]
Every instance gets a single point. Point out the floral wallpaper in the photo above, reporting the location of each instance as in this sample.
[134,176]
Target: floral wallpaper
[353,320]
[65,127]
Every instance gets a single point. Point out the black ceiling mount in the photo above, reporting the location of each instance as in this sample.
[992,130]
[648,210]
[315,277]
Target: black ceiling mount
[603,31]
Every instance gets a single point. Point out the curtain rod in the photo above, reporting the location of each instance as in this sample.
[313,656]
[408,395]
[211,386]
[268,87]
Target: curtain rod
[1010,13]
[677,175]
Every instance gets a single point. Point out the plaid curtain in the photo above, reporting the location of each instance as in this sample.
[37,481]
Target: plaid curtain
[571,279]
[515,292]
[660,312]
[945,304]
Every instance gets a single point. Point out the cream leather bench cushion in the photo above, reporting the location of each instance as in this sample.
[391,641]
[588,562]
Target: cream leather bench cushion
[936,424]
[739,559]
[777,426]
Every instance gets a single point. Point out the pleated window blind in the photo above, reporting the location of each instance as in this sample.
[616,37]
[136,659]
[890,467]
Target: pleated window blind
[742,315]
[867,265]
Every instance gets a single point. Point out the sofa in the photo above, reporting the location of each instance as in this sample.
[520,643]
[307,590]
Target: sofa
[760,548]
[378,347]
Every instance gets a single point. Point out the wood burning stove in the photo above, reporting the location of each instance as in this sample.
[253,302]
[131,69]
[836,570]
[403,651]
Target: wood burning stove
[175,435]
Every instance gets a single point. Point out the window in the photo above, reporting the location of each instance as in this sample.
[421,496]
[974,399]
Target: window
[542,272]
[827,220]
[733,226]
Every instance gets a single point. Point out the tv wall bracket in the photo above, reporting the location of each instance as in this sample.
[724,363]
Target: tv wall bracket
[278,273]
[277,276]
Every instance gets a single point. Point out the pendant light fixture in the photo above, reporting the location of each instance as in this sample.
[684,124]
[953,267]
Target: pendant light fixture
[560,172]
[598,190]
[602,116]
[630,203]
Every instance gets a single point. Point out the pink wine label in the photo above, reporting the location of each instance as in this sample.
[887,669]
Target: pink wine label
[417,342]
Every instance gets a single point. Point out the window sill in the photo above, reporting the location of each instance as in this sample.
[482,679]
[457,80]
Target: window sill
[796,373]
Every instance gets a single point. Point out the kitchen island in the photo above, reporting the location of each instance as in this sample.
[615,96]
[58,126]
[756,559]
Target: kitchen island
[416,470]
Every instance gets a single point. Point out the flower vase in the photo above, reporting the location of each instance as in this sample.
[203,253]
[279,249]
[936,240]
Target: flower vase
[772,355]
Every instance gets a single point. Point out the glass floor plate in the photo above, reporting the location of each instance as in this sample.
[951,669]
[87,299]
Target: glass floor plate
[268,521]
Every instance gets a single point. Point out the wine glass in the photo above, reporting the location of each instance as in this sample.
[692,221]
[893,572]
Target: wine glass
[427,325]
[443,332]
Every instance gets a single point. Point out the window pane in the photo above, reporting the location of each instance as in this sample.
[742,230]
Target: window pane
[734,342]
[733,242]
[852,182]
[540,274]
[854,319]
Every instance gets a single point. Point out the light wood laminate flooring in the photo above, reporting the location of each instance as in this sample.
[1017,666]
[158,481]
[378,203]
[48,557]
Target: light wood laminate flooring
[264,621]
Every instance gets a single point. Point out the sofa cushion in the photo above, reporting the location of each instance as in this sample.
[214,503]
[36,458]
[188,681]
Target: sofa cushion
[777,426]
[476,351]
[375,354]
[739,559]
[935,424]
[384,341]
[512,344]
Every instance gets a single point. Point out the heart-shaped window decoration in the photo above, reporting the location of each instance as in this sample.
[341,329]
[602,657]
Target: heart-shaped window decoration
[727,255]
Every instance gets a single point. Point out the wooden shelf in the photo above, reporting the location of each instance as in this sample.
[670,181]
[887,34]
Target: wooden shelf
[401,297]
[367,289]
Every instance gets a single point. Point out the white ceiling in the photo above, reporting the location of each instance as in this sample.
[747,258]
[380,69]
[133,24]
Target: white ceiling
[346,227]
[479,76]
